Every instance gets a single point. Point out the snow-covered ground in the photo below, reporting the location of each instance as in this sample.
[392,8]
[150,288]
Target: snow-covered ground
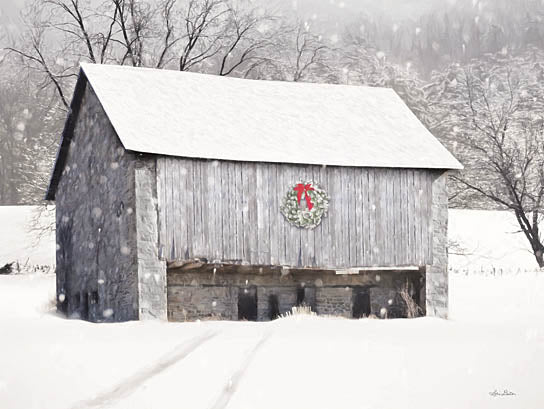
[494,342]
[490,240]
[490,354]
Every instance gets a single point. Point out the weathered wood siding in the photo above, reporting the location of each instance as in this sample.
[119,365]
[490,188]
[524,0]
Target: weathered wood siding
[230,211]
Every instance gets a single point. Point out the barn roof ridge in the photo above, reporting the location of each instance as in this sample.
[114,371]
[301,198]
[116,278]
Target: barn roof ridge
[194,115]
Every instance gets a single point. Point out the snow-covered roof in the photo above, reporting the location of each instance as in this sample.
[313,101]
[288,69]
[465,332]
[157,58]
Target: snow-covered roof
[203,116]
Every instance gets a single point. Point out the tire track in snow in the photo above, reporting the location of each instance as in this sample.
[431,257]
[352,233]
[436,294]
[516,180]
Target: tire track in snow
[129,385]
[232,384]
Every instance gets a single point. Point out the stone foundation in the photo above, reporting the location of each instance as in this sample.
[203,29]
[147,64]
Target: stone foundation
[208,295]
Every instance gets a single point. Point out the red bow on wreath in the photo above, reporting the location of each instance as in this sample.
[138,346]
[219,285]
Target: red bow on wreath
[302,188]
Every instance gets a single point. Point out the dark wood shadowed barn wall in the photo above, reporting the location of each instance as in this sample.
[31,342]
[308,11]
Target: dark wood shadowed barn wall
[230,211]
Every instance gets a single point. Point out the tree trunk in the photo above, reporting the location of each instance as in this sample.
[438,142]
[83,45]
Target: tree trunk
[539,255]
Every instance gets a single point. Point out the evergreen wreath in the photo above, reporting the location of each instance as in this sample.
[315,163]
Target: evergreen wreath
[309,215]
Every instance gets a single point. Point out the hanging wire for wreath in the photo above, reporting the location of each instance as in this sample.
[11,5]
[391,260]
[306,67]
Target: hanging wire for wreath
[305,204]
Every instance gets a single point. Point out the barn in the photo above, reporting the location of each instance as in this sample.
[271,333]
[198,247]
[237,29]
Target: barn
[186,196]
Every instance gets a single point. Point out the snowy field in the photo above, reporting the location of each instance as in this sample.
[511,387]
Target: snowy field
[495,342]
[491,241]
[490,354]
[18,243]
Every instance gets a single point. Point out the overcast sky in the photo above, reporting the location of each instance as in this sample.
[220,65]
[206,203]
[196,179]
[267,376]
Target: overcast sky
[324,9]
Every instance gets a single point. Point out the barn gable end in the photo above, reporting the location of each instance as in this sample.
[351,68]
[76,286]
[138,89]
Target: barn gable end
[102,251]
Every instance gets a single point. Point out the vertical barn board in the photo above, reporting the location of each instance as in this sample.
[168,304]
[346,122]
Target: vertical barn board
[293,244]
[358,219]
[290,243]
[210,204]
[302,177]
[221,187]
[343,238]
[175,217]
[384,219]
[424,199]
[389,237]
[219,206]
[168,252]
[336,215]
[162,204]
[333,214]
[245,213]
[429,218]
[184,206]
[366,217]
[409,212]
[322,244]
[384,205]
[206,215]
[402,216]
[262,213]
[317,246]
[253,220]
[232,214]
[311,232]
[273,211]
[198,242]
[345,186]
[351,196]
[413,209]
[281,222]
[375,200]
[239,211]
[306,235]
[378,217]
[225,212]
[405,216]
[417,182]
[397,204]
[190,210]
[229,243]
[372,200]
[392,214]
[267,204]
[387,206]
[179,203]
[417,216]
[299,177]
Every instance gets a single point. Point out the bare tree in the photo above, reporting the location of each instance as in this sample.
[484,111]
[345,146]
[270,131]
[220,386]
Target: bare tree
[248,34]
[493,109]
[296,53]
